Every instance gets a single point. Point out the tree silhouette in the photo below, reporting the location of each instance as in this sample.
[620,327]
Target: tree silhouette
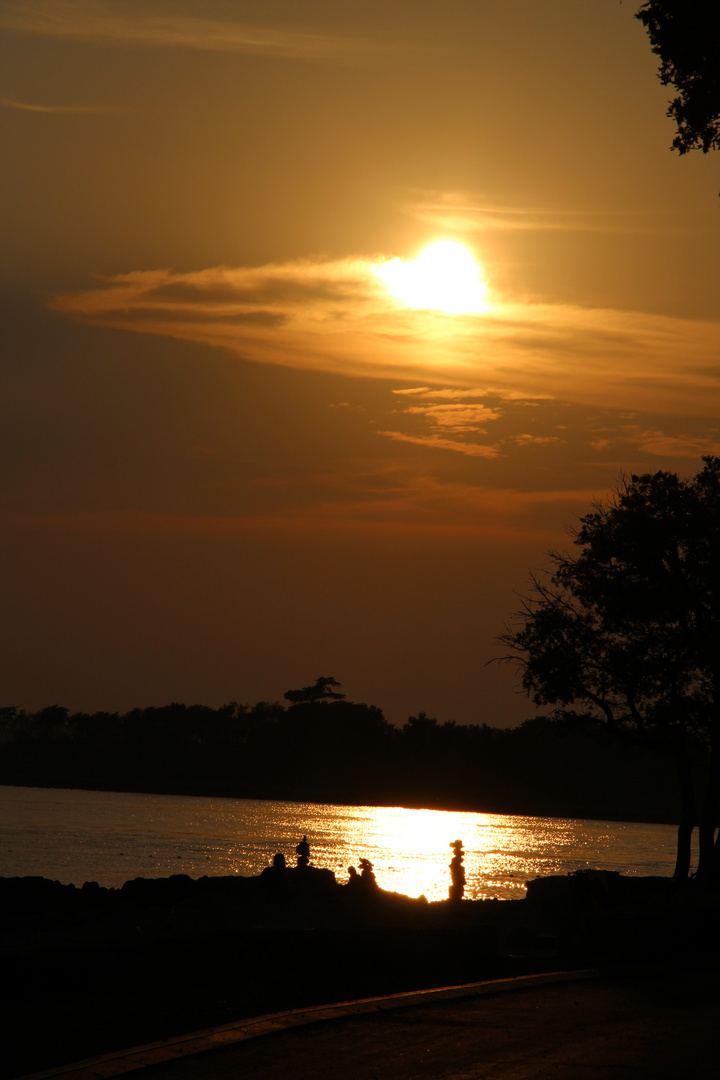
[628,629]
[319,691]
[685,34]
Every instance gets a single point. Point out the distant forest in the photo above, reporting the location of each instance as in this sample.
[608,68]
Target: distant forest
[339,751]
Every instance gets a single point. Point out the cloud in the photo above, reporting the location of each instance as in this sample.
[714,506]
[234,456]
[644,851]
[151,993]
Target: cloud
[397,502]
[132,24]
[455,425]
[662,445]
[640,441]
[465,417]
[336,316]
[24,106]
[437,442]
[526,439]
[467,213]
[452,393]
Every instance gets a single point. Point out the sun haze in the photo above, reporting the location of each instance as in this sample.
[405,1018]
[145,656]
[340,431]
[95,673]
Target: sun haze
[444,277]
[241,444]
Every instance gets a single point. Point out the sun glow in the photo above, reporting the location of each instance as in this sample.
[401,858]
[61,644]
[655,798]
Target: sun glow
[445,277]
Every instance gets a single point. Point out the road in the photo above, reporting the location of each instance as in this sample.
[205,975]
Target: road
[659,1026]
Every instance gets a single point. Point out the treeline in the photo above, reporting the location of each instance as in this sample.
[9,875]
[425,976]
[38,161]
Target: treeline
[342,752]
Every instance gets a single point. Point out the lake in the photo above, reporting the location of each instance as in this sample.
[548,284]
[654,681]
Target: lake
[111,837]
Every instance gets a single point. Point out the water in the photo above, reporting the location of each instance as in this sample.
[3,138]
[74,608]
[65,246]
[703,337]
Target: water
[111,837]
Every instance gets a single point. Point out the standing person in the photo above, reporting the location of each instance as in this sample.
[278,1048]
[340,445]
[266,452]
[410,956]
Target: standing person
[303,852]
[457,871]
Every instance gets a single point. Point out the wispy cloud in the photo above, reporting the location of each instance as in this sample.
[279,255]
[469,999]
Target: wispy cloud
[140,25]
[451,392]
[420,504]
[461,426]
[468,213]
[25,106]
[335,315]
[456,417]
[438,442]
[526,439]
[662,445]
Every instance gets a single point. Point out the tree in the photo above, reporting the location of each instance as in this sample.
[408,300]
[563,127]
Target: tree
[319,691]
[685,34]
[627,630]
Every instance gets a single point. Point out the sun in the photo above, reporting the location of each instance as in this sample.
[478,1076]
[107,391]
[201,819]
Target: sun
[444,277]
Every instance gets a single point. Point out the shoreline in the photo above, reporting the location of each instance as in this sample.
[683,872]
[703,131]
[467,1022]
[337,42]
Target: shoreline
[548,811]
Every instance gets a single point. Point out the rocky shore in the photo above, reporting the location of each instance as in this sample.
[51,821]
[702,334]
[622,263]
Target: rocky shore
[88,970]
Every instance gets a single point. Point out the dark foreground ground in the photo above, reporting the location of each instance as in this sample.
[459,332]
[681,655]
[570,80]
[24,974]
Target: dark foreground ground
[88,971]
[645,1027]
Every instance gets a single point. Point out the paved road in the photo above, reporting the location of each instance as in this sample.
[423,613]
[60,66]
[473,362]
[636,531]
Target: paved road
[660,1027]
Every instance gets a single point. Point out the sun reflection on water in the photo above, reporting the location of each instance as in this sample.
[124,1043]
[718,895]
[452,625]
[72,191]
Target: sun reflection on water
[111,837]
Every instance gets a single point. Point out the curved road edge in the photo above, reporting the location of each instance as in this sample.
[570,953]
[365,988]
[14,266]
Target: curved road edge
[182,1046]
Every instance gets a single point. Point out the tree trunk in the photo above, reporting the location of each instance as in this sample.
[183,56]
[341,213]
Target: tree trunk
[688,814]
[708,870]
[708,859]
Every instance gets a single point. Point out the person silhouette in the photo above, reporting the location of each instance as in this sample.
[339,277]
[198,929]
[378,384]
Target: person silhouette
[303,852]
[457,871]
[274,875]
[367,877]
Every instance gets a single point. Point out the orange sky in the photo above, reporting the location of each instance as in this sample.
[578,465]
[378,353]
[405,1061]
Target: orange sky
[232,460]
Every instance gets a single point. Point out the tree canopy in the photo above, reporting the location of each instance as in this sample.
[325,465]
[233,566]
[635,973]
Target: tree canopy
[627,629]
[340,752]
[319,691]
[685,34]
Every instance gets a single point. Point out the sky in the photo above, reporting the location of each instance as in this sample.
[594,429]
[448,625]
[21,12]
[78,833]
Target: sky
[250,433]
